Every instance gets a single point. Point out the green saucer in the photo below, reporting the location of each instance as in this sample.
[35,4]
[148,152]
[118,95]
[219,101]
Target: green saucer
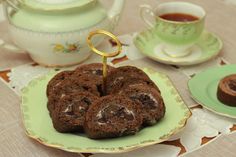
[206,48]
[203,88]
[38,123]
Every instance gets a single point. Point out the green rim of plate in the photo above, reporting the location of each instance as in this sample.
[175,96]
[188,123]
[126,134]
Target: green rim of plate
[203,88]
[38,123]
[210,44]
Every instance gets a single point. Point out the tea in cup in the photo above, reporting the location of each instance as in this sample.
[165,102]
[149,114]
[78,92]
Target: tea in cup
[178,25]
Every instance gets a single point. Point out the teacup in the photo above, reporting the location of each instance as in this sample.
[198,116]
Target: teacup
[178,37]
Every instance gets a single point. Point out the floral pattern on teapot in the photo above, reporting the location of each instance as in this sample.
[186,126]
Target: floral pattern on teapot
[67,48]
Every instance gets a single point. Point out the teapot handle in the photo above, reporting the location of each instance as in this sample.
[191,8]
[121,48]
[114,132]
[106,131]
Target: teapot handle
[10,47]
[117,7]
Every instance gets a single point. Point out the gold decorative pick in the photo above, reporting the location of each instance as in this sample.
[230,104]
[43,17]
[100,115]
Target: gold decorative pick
[104,54]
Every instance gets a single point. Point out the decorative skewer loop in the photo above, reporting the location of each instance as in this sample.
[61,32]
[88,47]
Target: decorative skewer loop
[104,55]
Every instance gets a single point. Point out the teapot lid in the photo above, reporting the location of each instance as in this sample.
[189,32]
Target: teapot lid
[51,5]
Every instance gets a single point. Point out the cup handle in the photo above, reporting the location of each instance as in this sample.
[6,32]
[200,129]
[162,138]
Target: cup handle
[144,11]
[13,3]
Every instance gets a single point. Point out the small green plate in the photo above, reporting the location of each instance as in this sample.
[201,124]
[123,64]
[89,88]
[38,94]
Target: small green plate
[39,126]
[207,47]
[203,88]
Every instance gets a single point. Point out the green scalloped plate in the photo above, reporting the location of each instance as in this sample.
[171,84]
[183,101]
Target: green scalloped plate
[203,88]
[39,126]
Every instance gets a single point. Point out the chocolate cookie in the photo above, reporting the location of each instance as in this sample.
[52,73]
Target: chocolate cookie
[70,113]
[125,76]
[226,92]
[57,80]
[152,104]
[112,116]
[83,83]
[95,71]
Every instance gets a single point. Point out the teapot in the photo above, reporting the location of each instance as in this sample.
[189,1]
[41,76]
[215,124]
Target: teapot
[54,32]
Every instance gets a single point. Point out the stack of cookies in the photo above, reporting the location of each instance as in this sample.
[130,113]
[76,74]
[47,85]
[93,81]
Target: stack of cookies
[77,102]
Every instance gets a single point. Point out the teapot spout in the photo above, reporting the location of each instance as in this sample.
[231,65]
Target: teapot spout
[116,9]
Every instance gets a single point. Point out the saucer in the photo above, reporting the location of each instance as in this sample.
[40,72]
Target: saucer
[207,47]
[203,88]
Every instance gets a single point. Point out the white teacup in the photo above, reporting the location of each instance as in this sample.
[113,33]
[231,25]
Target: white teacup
[177,37]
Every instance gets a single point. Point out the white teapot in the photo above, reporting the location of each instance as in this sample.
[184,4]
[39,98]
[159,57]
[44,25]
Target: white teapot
[54,32]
